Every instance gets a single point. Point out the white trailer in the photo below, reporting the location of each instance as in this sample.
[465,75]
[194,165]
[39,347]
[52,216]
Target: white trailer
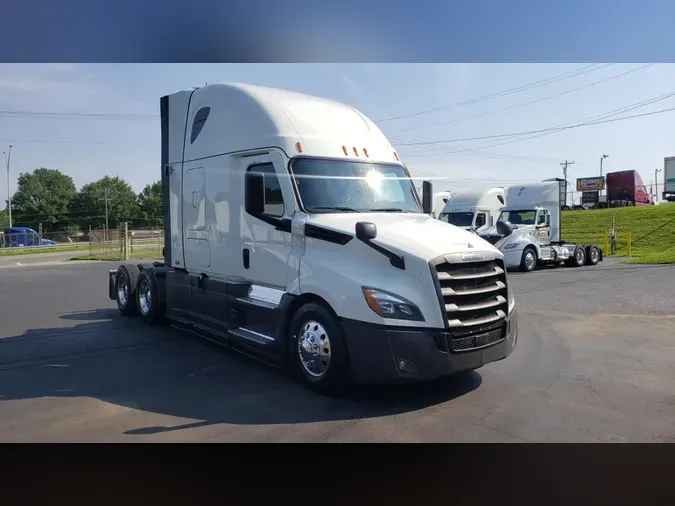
[294,234]
[669,179]
[474,209]
[528,230]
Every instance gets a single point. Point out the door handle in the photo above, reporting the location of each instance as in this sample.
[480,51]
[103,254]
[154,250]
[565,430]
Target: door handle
[194,199]
[246,258]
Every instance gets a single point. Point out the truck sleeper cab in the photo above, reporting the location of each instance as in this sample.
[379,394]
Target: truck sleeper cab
[293,233]
[528,230]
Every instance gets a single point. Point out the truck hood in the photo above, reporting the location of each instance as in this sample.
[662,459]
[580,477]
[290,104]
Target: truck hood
[417,234]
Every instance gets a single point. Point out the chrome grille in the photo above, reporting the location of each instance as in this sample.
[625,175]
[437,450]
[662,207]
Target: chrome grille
[474,295]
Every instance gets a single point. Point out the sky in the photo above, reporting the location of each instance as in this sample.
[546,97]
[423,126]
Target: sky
[432,133]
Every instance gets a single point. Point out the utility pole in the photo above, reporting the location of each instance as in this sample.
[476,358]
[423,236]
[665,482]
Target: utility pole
[8,158]
[564,165]
[656,184]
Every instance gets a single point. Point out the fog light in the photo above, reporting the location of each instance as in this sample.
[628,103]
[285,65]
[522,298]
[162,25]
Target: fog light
[407,366]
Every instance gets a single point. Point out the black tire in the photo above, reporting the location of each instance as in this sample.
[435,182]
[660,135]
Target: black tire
[579,257]
[125,284]
[148,301]
[319,322]
[592,255]
[528,262]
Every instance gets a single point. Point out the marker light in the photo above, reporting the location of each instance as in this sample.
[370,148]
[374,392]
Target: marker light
[298,146]
[365,152]
[356,152]
[396,156]
[344,148]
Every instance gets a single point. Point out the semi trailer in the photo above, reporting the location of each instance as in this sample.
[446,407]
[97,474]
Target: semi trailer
[529,230]
[474,209]
[294,234]
[669,179]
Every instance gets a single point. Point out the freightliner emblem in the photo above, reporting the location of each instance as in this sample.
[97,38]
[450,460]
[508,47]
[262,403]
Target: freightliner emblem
[468,257]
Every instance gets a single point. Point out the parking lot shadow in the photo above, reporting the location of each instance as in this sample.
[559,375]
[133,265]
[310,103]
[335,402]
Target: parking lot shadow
[164,371]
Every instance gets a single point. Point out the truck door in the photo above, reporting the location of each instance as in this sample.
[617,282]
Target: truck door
[543,227]
[266,240]
[481,220]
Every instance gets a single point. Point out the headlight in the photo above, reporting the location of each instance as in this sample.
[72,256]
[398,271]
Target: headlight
[511,246]
[388,305]
[510,297]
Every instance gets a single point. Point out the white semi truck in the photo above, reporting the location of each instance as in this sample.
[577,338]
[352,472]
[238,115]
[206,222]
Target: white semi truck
[669,179]
[293,233]
[528,231]
[474,209]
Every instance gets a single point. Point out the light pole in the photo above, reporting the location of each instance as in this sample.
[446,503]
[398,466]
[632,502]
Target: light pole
[656,184]
[602,159]
[8,158]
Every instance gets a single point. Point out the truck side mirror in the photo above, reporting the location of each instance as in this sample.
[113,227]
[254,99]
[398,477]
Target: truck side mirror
[427,197]
[254,193]
[366,231]
[504,228]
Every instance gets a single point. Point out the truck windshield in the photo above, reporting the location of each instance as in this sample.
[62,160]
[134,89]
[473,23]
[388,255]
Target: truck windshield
[457,219]
[518,217]
[327,186]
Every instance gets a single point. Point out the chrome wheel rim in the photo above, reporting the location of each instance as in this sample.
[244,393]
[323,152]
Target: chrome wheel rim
[314,349]
[123,291]
[594,255]
[580,256]
[144,297]
[529,260]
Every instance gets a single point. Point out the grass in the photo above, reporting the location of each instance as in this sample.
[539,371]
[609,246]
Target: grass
[139,254]
[652,229]
[10,252]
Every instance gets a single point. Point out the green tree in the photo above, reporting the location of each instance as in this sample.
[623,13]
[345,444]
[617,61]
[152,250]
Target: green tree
[89,206]
[150,205]
[4,220]
[43,196]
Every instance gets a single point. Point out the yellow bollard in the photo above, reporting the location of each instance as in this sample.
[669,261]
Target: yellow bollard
[629,238]
[606,252]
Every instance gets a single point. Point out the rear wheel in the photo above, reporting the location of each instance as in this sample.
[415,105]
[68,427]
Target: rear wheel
[528,261]
[579,257]
[592,255]
[126,282]
[150,307]
[317,350]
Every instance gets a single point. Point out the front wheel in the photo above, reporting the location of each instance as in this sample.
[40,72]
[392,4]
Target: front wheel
[529,260]
[317,350]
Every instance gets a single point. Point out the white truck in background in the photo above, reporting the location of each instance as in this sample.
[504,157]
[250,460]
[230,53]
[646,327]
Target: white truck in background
[669,179]
[293,233]
[474,209]
[528,231]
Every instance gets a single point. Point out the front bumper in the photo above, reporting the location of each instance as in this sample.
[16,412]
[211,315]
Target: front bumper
[381,354]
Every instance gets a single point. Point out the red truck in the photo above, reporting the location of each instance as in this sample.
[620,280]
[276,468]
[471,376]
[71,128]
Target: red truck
[625,188]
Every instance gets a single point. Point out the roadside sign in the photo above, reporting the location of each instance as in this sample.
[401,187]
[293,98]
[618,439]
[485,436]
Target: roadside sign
[587,184]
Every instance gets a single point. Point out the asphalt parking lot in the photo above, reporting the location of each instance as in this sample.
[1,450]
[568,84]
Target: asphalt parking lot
[594,363]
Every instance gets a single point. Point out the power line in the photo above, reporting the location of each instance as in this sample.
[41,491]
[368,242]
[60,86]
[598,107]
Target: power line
[536,84]
[549,97]
[552,129]
[609,114]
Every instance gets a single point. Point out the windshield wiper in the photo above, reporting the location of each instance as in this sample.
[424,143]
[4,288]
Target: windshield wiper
[335,208]
[389,210]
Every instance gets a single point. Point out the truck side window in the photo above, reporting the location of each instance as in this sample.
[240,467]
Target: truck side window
[541,219]
[198,123]
[274,201]
[480,220]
